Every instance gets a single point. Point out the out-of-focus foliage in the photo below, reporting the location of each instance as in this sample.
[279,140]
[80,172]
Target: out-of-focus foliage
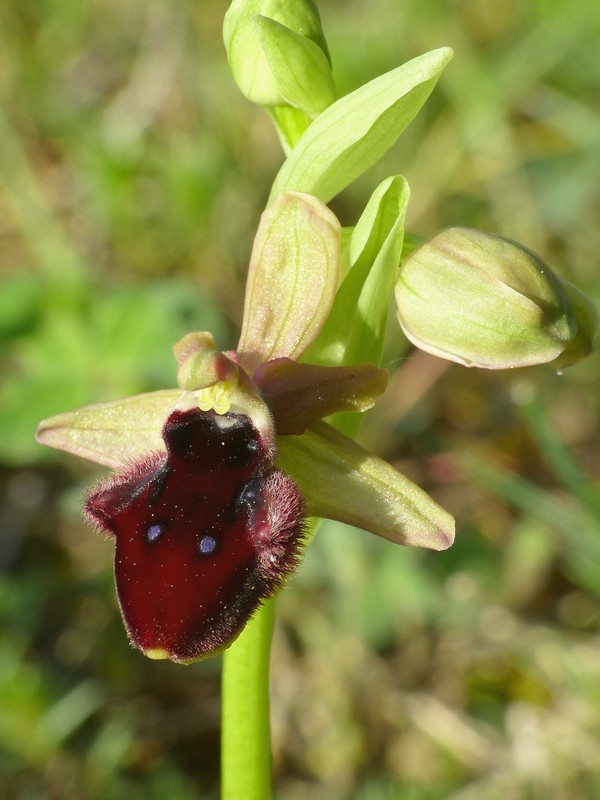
[132,176]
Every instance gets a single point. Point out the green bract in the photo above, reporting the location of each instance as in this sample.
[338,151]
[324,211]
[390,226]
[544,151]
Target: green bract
[355,132]
[484,301]
[355,328]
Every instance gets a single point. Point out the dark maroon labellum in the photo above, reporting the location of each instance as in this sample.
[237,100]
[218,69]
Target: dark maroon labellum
[203,534]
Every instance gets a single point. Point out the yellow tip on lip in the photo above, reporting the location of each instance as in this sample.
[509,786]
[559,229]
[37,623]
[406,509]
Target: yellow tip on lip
[157,654]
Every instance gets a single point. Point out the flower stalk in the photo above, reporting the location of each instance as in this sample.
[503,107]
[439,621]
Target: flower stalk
[245,711]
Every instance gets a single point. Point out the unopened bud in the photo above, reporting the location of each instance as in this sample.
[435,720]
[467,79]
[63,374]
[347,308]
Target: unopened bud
[587,322]
[256,31]
[484,301]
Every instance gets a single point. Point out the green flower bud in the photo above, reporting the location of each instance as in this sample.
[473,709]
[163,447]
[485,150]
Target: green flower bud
[483,301]
[588,323]
[256,34]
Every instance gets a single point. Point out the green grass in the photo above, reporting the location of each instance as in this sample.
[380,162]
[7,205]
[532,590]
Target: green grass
[132,175]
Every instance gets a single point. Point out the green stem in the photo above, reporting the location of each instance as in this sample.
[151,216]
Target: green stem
[245,731]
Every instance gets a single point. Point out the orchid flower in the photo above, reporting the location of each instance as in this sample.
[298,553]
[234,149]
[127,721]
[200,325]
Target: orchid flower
[214,479]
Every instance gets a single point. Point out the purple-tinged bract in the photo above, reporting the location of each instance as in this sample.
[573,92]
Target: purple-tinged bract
[203,534]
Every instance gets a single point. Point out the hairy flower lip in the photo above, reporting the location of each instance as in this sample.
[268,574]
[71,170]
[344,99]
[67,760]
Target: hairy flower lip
[204,532]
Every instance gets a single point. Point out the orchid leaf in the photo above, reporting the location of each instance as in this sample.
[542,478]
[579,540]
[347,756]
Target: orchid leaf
[292,279]
[300,394]
[355,329]
[342,481]
[299,66]
[113,433]
[355,131]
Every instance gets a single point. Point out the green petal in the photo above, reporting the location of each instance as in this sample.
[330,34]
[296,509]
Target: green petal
[112,433]
[292,279]
[355,131]
[341,481]
[300,394]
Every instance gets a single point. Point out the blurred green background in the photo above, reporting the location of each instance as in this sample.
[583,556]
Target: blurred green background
[132,176]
